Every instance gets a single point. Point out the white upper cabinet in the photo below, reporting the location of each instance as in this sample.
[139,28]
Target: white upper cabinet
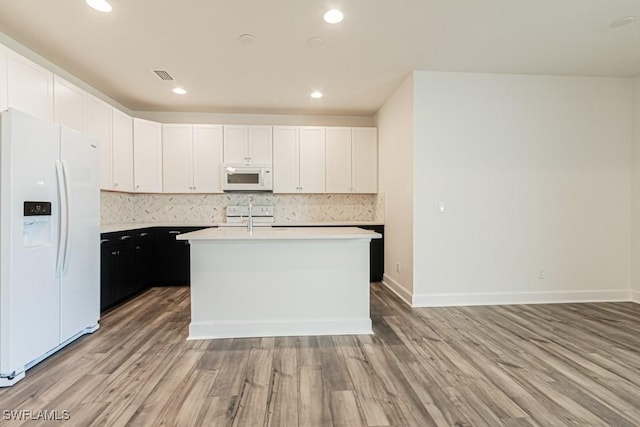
[3,78]
[236,144]
[260,144]
[312,159]
[365,160]
[352,160]
[248,144]
[192,158]
[298,159]
[99,127]
[207,158]
[286,172]
[177,158]
[69,105]
[147,156]
[122,151]
[339,160]
[29,87]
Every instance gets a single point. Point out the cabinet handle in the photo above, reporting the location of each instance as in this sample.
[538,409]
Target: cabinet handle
[137,186]
[174,232]
[138,247]
[115,184]
[125,237]
[104,241]
[114,253]
[144,234]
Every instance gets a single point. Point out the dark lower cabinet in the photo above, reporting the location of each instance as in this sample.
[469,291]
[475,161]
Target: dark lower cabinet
[117,268]
[144,260]
[174,256]
[135,260]
[107,273]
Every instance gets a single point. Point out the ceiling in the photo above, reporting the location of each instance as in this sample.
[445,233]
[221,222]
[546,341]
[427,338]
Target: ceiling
[360,63]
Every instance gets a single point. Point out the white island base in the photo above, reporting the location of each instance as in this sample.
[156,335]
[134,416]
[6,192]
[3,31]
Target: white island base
[279,282]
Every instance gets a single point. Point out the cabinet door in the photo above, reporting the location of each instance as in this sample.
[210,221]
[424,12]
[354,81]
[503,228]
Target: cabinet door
[122,150]
[365,160]
[207,158]
[173,257]
[144,247]
[312,160]
[29,87]
[3,78]
[147,156]
[69,105]
[99,127]
[260,144]
[124,285]
[339,160]
[177,158]
[236,140]
[107,273]
[286,178]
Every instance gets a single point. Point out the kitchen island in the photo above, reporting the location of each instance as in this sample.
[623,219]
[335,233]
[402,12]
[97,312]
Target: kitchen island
[279,282]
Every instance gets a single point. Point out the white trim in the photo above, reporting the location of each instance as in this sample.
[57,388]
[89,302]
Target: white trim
[635,296]
[239,329]
[397,289]
[507,298]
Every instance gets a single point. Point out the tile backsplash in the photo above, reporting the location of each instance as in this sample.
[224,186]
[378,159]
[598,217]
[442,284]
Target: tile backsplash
[210,208]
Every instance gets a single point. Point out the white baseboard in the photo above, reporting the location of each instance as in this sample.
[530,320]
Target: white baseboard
[635,296]
[240,329]
[508,298]
[397,289]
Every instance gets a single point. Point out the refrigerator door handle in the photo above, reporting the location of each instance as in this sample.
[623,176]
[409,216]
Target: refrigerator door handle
[67,218]
[61,217]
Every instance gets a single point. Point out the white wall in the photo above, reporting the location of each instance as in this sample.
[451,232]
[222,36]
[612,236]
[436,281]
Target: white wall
[535,174]
[635,195]
[395,174]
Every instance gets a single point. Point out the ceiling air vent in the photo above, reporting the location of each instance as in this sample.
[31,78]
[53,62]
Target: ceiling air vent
[163,75]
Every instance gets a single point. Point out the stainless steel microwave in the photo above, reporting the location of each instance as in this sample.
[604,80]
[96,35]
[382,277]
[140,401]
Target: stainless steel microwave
[247,178]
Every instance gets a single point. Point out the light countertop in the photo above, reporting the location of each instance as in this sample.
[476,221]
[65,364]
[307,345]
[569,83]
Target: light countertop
[284,233]
[112,228]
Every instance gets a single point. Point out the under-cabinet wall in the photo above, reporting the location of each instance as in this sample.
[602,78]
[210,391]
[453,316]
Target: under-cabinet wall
[210,208]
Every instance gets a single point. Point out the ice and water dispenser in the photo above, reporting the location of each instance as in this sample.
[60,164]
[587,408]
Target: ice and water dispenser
[36,228]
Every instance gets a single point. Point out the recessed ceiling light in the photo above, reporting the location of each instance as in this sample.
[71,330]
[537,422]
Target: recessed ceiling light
[625,20]
[247,39]
[333,16]
[314,41]
[179,91]
[100,5]
[316,95]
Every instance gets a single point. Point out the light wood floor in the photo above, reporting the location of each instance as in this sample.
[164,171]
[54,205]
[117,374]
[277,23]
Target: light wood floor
[548,365]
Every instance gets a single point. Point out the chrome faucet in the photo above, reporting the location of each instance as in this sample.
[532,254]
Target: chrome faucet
[250,221]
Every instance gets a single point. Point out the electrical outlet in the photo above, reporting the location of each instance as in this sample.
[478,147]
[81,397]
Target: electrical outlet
[541,273]
[397,267]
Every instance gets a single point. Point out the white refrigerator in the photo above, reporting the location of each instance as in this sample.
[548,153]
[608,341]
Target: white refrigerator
[49,240]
